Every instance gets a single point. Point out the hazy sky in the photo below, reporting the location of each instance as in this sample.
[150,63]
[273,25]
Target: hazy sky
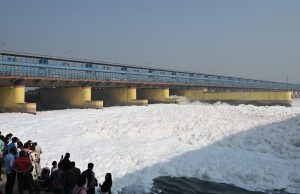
[255,38]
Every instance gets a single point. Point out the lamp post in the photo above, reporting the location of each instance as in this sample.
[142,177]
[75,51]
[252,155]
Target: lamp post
[66,53]
[287,83]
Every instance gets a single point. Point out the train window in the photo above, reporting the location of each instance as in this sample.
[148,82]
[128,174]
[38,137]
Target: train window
[150,71]
[11,59]
[43,61]
[88,65]
[173,73]
[123,68]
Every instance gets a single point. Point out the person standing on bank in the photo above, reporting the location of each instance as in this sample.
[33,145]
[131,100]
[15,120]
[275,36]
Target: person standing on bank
[90,175]
[105,188]
[23,167]
[10,173]
[38,151]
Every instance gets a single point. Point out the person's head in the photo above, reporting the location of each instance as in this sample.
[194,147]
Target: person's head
[90,166]
[6,140]
[13,150]
[22,153]
[2,137]
[72,164]
[108,177]
[20,144]
[14,139]
[9,135]
[54,164]
[81,181]
[34,144]
[67,155]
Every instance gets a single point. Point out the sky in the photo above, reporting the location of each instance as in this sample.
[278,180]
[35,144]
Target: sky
[257,39]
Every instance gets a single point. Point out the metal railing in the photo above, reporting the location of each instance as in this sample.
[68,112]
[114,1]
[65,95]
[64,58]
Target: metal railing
[22,65]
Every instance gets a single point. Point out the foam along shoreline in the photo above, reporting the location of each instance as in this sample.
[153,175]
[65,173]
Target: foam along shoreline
[251,147]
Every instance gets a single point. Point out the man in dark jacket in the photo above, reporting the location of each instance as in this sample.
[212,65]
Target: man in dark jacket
[65,162]
[73,175]
[90,175]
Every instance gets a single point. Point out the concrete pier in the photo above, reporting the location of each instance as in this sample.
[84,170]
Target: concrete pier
[157,95]
[71,97]
[12,99]
[118,96]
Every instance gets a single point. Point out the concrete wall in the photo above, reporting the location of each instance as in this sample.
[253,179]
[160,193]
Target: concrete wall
[73,97]
[12,99]
[157,95]
[259,98]
[118,96]
[249,96]
[193,94]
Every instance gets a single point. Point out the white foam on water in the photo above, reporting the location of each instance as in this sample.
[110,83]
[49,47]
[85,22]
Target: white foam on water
[257,148]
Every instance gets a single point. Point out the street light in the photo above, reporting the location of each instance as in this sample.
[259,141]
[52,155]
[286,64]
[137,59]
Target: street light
[67,55]
[287,83]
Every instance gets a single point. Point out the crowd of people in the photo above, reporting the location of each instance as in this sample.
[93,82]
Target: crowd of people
[23,162]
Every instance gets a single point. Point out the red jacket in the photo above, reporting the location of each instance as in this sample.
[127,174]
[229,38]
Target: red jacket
[22,164]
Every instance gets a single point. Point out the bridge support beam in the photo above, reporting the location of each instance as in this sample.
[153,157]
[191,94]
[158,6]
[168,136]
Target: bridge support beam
[190,94]
[12,99]
[73,97]
[157,95]
[118,96]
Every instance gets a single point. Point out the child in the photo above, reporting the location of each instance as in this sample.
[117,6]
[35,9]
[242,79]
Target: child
[105,188]
[54,167]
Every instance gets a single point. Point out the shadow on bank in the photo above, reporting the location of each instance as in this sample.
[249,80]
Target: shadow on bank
[264,158]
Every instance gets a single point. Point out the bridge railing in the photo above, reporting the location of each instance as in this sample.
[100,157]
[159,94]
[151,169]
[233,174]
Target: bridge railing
[30,66]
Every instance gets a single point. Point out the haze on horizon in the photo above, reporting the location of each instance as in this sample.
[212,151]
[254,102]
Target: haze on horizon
[251,39]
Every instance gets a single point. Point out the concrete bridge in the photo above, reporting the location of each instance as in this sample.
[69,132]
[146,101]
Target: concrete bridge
[29,81]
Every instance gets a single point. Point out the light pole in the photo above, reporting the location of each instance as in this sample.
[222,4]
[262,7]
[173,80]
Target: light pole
[287,83]
[66,53]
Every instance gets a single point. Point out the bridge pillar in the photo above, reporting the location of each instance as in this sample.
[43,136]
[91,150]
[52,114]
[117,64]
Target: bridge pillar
[118,96]
[12,99]
[72,97]
[190,94]
[157,95]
